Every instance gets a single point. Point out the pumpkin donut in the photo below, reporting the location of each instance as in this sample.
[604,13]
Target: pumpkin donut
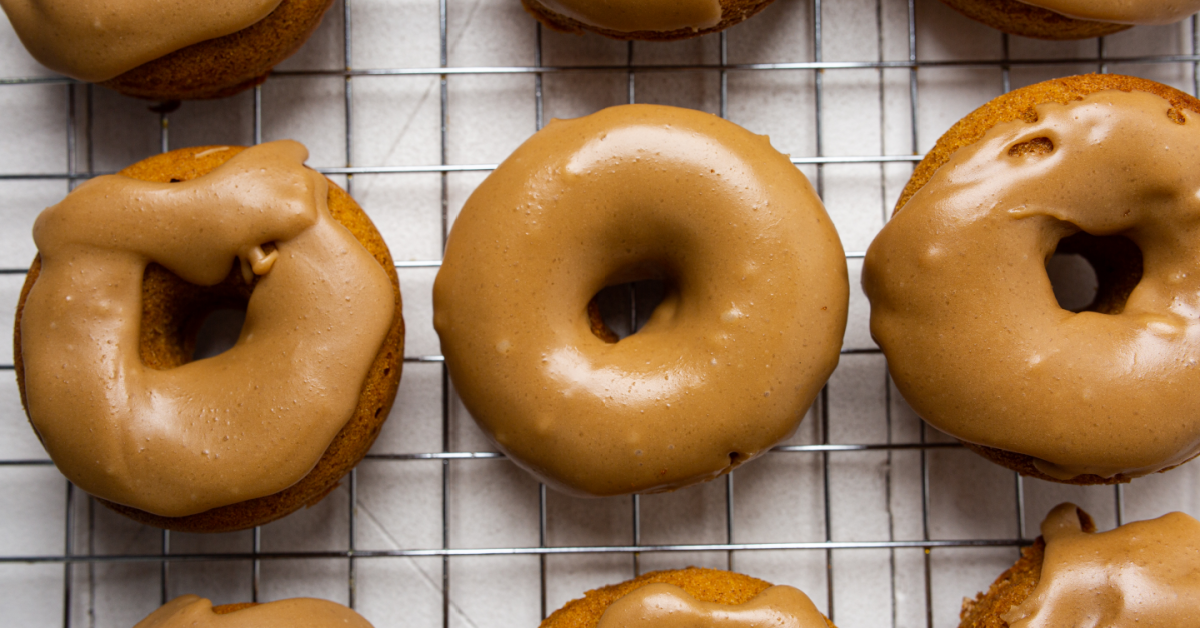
[1072,19]
[130,265]
[648,20]
[192,611]
[964,310]
[182,50]
[727,365]
[1142,573]
[690,597]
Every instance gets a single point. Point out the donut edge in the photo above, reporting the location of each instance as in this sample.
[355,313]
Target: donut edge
[732,12]
[706,585]
[375,401]
[226,65]
[1020,104]
[1025,20]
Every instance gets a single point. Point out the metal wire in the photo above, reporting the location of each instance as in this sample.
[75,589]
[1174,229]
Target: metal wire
[78,168]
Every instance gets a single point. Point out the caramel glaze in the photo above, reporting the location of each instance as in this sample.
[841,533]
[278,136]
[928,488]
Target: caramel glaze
[1145,573]
[247,423]
[964,311]
[662,605]
[96,40]
[1122,11]
[628,16]
[191,611]
[728,363]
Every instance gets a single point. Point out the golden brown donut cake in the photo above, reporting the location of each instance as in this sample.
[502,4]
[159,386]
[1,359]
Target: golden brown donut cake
[172,310]
[191,65]
[1142,573]
[705,586]
[1071,19]
[981,349]
[654,20]
[192,611]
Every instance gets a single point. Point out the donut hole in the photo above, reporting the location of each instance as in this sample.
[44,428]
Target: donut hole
[183,322]
[1091,273]
[1035,146]
[620,310]
[218,332]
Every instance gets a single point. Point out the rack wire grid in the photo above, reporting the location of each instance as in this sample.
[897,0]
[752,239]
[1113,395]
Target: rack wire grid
[409,105]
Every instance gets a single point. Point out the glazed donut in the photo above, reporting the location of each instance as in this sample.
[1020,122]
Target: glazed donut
[963,308]
[1143,573]
[1072,19]
[130,265]
[727,365]
[165,51]
[192,611]
[690,597]
[649,20]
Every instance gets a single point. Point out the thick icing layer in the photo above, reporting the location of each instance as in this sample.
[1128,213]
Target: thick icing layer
[962,306]
[662,605]
[1122,11]
[246,423]
[1145,573]
[191,611]
[728,363]
[628,16]
[95,40]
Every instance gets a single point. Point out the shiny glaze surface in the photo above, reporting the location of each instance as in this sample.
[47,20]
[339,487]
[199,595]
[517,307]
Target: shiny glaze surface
[662,605]
[1145,573]
[728,363]
[191,611]
[628,16]
[243,424]
[1122,11]
[95,40]
[963,308]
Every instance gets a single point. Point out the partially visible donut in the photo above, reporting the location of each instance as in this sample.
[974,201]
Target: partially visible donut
[268,186]
[192,611]
[1072,19]
[963,308]
[681,589]
[727,365]
[166,51]
[649,20]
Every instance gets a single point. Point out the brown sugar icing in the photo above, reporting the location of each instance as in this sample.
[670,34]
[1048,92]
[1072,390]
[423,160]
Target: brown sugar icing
[1145,573]
[661,605]
[244,424]
[96,40]
[962,306]
[640,15]
[191,611]
[1122,11]
[727,364]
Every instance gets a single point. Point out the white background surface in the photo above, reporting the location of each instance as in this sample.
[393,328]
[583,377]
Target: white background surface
[395,121]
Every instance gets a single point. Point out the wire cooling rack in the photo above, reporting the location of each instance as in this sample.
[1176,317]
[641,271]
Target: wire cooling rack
[880,520]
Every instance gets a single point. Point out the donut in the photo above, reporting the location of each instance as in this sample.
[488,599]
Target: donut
[196,612]
[1142,573]
[128,268]
[965,313]
[727,365]
[655,20]
[690,597]
[1072,19]
[165,51]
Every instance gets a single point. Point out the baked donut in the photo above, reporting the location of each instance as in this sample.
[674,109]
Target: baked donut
[962,306]
[165,51]
[192,611]
[1141,574]
[727,365]
[1072,19]
[649,20]
[128,268]
[690,597]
